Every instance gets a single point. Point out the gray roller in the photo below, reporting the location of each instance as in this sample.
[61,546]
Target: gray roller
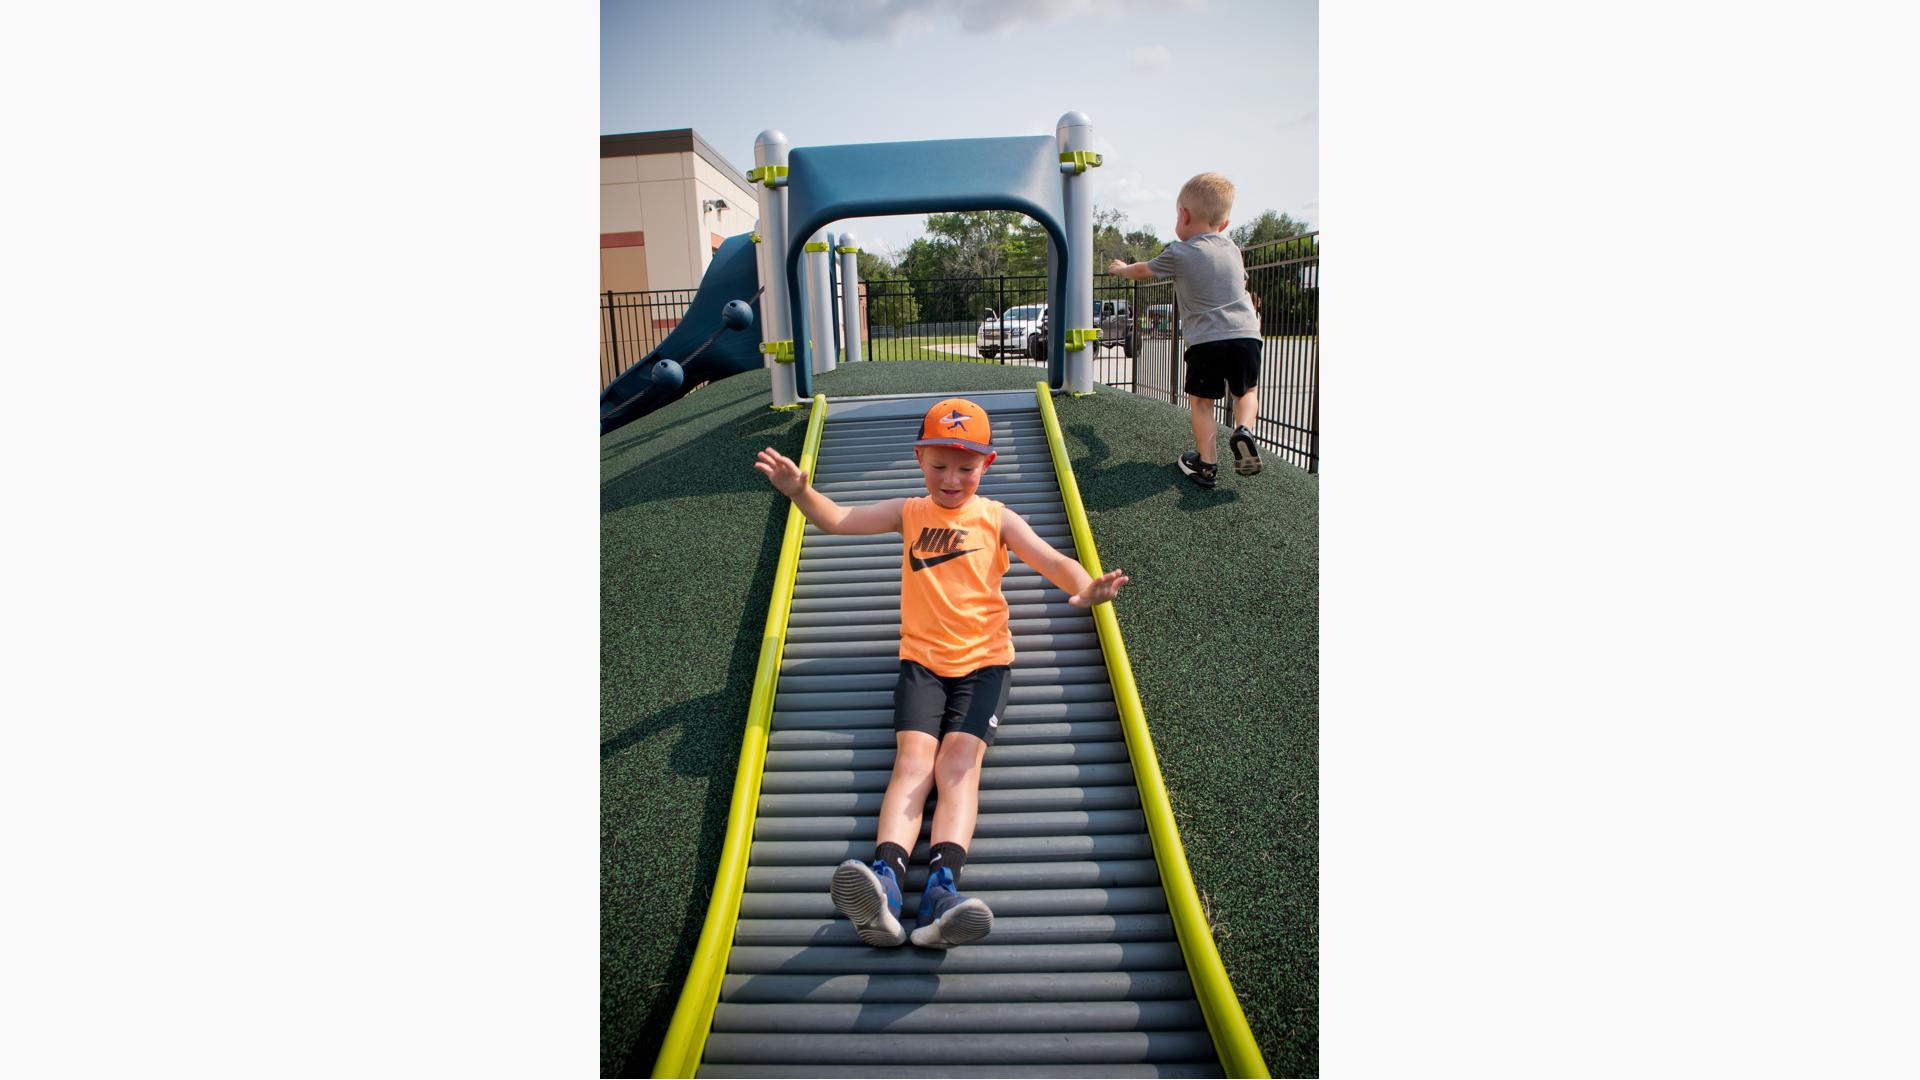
[985,849]
[1089,731]
[998,756]
[1024,674]
[1082,974]
[1058,823]
[819,543]
[1121,901]
[889,636]
[962,1017]
[1000,959]
[1077,874]
[891,616]
[1036,520]
[810,804]
[1017,462]
[1007,930]
[1064,1048]
[1009,778]
[863,665]
[883,718]
[1037,592]
[944,988]
[1057,640]
[829,544]
[985,1071]
[1017,695]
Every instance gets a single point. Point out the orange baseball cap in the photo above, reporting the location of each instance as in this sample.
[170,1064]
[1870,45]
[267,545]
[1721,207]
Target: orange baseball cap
[957,422]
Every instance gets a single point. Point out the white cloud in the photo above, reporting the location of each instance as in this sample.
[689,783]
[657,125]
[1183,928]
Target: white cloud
[1129,190]
[895,20]
[888,19]
[1149,58]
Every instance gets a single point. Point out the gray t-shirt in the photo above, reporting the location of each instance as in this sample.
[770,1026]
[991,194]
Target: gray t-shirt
[1209,279]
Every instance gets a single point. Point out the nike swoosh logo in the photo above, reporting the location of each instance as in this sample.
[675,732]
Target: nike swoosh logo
[921,564]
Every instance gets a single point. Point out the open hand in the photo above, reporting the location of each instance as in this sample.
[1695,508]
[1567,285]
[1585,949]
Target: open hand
[781,471]
[1100,589]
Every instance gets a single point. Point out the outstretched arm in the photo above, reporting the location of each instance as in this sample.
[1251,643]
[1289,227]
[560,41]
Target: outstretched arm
[1082,588]
[1131,271]
[830,516]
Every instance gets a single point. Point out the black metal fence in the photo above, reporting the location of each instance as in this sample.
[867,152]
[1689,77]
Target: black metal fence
[1141,351]
[632,324]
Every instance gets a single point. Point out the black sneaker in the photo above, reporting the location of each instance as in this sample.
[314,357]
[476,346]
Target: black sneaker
[1196,470]
[1246,455]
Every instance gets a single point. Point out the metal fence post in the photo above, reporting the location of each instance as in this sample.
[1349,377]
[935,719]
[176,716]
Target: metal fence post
[1174,354]
[1000,352]
[613,340]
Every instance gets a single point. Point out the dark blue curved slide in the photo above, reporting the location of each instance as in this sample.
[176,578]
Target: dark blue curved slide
[663,375]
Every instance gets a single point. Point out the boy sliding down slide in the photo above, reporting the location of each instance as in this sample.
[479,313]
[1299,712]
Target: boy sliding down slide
[956,664]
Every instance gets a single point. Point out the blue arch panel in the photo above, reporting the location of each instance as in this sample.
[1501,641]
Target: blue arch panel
[828,183]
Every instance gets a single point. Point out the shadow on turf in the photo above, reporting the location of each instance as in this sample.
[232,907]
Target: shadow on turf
[696,469]
[1132,481]
[615,444]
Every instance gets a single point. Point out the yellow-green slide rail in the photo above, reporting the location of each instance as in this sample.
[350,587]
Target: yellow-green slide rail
[680,1052]
[1226,1022]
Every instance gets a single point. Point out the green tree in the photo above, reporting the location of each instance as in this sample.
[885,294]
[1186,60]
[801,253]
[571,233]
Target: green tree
[1265,228]
[890,299]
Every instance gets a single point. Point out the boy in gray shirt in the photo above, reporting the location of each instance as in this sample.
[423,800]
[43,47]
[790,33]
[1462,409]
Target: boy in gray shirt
[1217,319]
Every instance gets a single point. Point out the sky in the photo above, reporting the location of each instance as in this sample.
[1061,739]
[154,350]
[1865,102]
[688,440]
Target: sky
[1173,87]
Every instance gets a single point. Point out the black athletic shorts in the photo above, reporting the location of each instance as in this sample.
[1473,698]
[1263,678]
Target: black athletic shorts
[1215,367]
[936,704]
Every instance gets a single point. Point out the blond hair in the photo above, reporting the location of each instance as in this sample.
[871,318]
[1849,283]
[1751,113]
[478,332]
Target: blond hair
[1208,197]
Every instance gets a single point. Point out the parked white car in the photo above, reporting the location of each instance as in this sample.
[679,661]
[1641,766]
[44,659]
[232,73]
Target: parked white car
[1015,333]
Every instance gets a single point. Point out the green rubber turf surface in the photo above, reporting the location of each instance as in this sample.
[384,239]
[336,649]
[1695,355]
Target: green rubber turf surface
[1219,620]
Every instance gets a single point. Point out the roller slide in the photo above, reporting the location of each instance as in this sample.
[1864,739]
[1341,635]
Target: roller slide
[649,384]
[1099,963]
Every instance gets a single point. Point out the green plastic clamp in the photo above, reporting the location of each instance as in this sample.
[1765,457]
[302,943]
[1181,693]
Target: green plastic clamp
[1079,339]
[1081,160]
[770,175]
[816,245]
[847,250]
[755,236]
[782,351]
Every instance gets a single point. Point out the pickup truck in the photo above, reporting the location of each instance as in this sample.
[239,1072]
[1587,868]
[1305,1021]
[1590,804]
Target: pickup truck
[1015,333]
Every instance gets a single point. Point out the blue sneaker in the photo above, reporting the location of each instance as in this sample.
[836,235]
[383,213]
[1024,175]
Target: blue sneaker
[871,898]
[947,918]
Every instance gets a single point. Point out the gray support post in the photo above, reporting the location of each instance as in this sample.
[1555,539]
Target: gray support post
[833,288]
[1056,316]
[1075,328]
[769,175]
[819,323]
[848,250]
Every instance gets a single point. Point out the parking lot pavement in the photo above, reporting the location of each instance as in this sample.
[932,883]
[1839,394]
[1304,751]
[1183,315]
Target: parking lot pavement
[956,350]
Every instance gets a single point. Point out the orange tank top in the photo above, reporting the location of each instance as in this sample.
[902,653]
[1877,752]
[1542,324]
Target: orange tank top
[953,619]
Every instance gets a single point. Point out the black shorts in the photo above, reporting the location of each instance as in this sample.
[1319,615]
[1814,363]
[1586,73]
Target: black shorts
[936,704]
[1215,367]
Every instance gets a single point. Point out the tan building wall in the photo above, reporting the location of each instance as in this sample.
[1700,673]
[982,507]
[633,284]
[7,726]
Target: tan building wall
[655,230]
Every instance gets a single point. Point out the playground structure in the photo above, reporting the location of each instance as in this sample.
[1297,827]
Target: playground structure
[803,190]
[1101,962]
